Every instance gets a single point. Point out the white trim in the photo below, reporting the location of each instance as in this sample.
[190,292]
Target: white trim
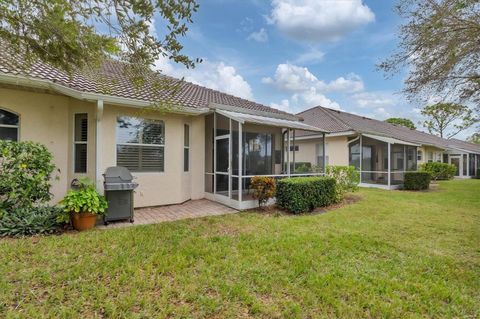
[98,145]
[329,134]
[240,161]
[80,95]
[218,107]
[389,140]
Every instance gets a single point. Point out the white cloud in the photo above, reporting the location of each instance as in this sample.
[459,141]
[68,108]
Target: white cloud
[284,105]
[214,75]
[259,36]
[373,100]
[310,57]
[293,78]
[319,20]
[313,98]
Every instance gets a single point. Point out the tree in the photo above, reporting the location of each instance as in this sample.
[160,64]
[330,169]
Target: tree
[401,121]
[475,138]
[447,119]
[73,35]
[439,43]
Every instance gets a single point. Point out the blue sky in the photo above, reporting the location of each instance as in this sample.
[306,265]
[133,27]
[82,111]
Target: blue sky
[295,54]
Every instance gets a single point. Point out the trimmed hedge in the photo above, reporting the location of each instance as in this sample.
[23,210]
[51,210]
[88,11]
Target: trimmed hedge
[439,171]
[417,180]
[304,194]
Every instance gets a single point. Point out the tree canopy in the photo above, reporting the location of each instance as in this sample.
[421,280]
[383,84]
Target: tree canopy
[447,119]
[440,46]
[474,138]
[401,121]
[74,34]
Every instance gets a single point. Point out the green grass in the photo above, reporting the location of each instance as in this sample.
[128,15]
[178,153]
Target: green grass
[392,254]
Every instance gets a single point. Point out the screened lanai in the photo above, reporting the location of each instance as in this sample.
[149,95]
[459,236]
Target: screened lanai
[381,161]
[239,146]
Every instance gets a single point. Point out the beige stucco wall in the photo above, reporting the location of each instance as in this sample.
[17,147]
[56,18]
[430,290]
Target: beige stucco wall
[44,119]
[336,148]
[436,153]
[49,119]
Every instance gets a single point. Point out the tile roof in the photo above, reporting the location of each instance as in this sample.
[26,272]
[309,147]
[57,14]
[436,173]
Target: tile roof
[111,80]
[338,121]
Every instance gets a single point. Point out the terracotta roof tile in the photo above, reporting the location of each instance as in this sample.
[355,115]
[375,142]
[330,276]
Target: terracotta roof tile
[111,80]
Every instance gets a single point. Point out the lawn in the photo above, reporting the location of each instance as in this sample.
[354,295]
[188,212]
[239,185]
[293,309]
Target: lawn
[392,254]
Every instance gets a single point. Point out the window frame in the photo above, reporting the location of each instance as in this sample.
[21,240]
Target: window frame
[75,143]
[160,121]
[186,147]
[17,127]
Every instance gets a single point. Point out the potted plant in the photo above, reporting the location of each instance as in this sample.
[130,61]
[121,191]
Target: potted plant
[82,205]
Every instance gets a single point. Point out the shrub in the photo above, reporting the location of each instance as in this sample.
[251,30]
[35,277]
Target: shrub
[416,180]
[346,177]
[30,221]
[263,188]
[301,167]
[25,174]
[84,199]
[438,170]
[303,194]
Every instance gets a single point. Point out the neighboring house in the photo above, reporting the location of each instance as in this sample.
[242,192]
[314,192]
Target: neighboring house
[382,152]
[201,143]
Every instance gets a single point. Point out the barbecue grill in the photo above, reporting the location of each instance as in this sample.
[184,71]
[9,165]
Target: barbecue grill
[118,187]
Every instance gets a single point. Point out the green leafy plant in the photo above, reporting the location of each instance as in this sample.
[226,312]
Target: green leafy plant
[84,199]
[346,177]
[416,180]
[263,188]
[439,171]
[30,221]
[303,194]
[26,170]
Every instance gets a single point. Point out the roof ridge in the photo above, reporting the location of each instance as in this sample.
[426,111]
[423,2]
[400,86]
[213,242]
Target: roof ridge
[328,111]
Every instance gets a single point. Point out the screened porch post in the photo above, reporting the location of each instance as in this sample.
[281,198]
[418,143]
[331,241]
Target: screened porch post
[293,154]
[240,161]
[324,155]
[214,152]
[230,164]
[361,157]
[468,164]
[288,152]
[388,165]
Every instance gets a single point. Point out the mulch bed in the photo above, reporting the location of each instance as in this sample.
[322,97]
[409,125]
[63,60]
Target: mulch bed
[275,211]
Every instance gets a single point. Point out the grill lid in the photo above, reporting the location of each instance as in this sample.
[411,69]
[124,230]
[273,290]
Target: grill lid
[117,174]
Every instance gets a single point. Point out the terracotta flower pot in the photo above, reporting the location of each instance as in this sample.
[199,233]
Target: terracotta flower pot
[83,221]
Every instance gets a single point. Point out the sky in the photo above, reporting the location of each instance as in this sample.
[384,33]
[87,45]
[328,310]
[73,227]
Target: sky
[296,54]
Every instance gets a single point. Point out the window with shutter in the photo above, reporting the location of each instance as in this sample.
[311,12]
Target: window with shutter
[186,148]
[80,142]
[140,144]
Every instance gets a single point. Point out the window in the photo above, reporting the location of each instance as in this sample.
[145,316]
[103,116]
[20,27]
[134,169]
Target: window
[186,148]
[294,147]
[80,142]
[419,155]
[430,157]
[354,154]
[9,125]
[140,144]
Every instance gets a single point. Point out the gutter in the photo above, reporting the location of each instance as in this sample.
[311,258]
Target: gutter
[87,96]
[237,109]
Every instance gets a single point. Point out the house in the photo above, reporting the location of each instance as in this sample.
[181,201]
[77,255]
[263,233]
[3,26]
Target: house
[381,151]
[181,141]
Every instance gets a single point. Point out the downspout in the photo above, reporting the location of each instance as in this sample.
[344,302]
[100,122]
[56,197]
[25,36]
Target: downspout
[288,153]
[98,146]
[283,151]
[361,157]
